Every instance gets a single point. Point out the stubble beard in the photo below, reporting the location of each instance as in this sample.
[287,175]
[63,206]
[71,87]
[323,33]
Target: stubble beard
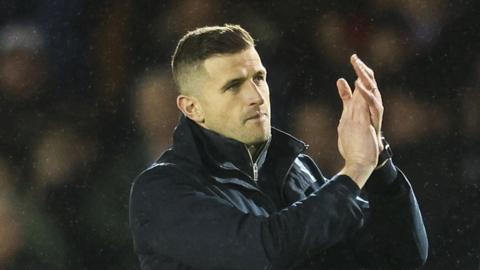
[257,136]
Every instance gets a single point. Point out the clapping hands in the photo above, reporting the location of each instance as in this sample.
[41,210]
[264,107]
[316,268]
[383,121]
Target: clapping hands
[359,129]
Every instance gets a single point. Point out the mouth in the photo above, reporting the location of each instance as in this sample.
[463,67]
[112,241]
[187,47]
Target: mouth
[257,116]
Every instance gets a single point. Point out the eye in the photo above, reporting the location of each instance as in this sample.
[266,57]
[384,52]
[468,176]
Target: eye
[233,86]
[259,78]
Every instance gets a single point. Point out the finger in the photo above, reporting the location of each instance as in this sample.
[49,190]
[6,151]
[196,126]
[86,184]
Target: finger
[375,111]
[374,105]
[368,70]
[376,93]
[359,105]
[367,95]
[344,89]
[346,95]
[373,84]
[362,72]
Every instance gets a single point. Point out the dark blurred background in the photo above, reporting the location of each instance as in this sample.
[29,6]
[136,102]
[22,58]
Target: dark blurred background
[87,102]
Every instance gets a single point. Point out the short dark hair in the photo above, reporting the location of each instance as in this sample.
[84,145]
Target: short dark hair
[204,42]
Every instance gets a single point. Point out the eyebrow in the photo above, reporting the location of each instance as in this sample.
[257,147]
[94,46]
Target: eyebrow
[241,79]
[261,71]
[233,82]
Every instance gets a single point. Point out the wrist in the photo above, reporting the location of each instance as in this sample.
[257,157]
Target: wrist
[381,164]
[359,173]
[382,178]
[385,154]
[381,146]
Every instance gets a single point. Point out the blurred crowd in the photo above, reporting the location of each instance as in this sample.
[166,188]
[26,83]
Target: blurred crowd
[87,102]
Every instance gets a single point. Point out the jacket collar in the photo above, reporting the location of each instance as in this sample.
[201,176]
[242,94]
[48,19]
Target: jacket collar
[206,147]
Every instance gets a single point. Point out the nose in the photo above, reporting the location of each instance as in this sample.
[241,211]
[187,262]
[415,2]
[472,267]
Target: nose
[255,94]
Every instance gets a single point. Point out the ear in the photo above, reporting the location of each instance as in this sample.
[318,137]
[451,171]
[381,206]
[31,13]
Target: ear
[191,108]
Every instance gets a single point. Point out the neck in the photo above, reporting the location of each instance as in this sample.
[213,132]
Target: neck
[253,150]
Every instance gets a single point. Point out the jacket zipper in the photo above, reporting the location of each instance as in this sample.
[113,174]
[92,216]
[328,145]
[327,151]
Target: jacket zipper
[254,166]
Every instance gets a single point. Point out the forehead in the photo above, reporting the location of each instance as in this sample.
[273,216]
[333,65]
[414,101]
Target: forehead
[237,64]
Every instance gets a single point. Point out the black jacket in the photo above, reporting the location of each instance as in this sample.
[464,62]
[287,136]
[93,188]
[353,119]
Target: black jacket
[198,207]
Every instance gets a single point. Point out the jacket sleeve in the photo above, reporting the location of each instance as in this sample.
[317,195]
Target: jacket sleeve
[171,216]
[394,235]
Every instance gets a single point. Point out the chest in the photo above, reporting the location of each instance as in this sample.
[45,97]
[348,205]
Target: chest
[266,196]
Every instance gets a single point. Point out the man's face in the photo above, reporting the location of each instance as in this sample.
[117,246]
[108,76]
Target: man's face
[235,97]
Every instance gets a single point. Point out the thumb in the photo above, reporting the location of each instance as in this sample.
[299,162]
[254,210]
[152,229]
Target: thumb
[344,90]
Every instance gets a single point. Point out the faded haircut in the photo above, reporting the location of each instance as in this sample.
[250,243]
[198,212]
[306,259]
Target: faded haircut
[202,43]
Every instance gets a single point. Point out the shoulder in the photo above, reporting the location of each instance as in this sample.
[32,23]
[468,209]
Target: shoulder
[160,187]
[166,174]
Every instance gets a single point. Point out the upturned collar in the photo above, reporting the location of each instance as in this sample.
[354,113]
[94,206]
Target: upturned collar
[206,147]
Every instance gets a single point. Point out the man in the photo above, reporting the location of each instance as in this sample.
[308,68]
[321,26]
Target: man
[234,193]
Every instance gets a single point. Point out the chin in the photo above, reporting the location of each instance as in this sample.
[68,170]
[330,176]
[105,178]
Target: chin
[259,138]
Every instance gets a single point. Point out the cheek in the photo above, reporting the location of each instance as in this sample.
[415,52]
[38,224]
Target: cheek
[265,90]
[219,113]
